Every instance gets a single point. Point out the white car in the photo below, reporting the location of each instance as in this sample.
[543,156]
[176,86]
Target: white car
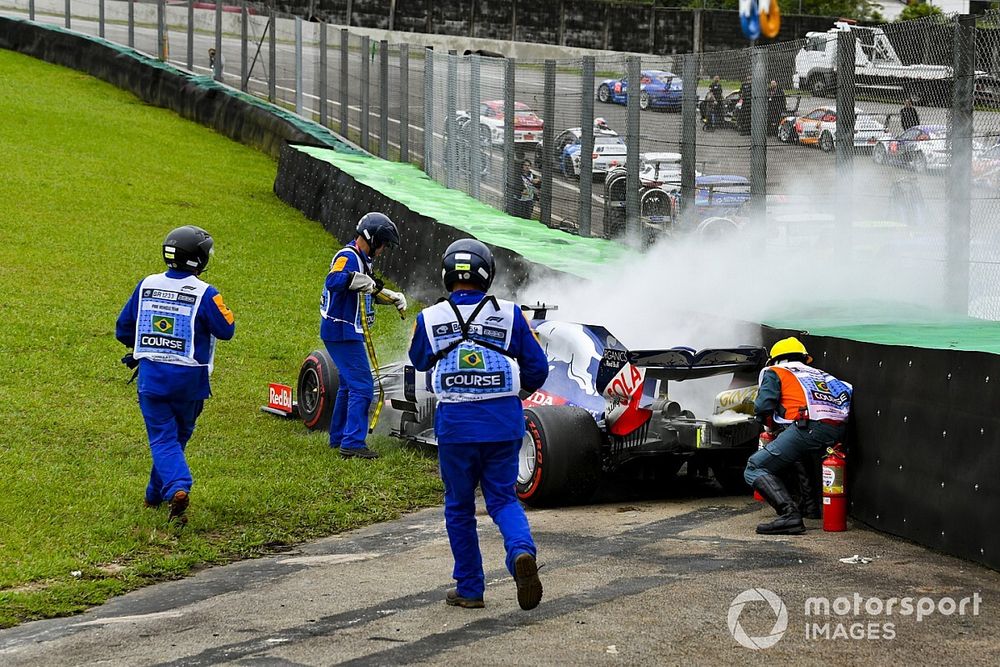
[920,148]
[660,169]
[819,128]
[609,151]
[527,125]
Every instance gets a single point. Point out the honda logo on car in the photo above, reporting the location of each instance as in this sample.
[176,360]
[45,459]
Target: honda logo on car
[279,397]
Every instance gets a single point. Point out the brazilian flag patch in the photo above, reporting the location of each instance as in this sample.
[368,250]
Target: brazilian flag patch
[471,360]
[163,324]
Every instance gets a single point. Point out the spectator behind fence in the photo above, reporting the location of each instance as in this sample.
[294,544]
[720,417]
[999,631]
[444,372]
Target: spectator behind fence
[908,116]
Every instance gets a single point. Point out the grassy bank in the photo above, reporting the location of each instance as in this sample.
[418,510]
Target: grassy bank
[92,180]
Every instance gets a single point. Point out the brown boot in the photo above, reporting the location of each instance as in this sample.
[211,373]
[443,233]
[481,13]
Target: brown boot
[178,505]
[456,600]
[529,586]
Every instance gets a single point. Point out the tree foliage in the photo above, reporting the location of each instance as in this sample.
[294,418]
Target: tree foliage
[918,10]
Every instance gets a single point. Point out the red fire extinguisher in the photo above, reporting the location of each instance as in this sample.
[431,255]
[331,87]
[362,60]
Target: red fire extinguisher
[765,437]
[834,496]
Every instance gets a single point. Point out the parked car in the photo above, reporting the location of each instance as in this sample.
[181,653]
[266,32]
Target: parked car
[658,90]
[527,125]
[660,169]
[986,168]
[609,151]
[921,148]
[819,128]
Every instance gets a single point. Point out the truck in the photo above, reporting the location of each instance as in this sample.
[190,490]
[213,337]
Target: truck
[879,69]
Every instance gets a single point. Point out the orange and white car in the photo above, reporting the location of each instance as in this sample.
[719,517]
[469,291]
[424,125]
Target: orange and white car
[819,128]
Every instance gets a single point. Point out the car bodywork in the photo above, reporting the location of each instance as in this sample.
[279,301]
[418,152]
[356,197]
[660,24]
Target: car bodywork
[527,125]
[609,151]
[819,128]
[986,168]
[618,401]
[921,148]
[659,89]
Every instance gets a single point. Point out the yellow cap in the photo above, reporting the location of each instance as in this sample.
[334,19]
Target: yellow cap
[791,345]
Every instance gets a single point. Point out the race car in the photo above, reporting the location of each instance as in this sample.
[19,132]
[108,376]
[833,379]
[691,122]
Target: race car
[986,168]
[658,90]
[819,128]
[527,125]
[921,148]
[605,409]
[609,150]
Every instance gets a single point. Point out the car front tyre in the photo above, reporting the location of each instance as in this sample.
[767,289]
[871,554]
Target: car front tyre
[604,94]
[317,390]
[643,100]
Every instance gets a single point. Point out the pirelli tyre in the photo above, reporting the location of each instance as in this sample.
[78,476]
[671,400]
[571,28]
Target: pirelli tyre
[560,458]
[317,390]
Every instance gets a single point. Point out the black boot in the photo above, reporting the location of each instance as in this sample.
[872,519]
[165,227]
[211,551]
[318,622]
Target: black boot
[808,502]
[789,521]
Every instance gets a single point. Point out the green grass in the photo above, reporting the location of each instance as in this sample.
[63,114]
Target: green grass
[93,179]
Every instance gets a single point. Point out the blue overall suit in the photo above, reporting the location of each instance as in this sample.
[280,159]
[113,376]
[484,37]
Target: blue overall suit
[171,395]
[342,334]
[478,444]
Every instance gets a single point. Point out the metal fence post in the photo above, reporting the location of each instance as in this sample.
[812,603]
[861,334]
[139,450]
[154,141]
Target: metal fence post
[758,136]
[634,73]
[549,118]
[190,35]
[365,92]
[475,150]
[511,170]
[586,206]
[321,93]
[404,102]
[31,10]
[161,30]
[272,59]
[451,154]
[100,19]
[960,174]
[244,46]
[217,72]
[131,23]
[428,110]
[383,85]
[69,11]
[345,65]
[843,211]
[299,106]
[689,139]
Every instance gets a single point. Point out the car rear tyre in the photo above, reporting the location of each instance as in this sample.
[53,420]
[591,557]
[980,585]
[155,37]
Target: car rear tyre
[317,388]
[878,155]
[817,85]
[560,458]
[826,142]
[604,93]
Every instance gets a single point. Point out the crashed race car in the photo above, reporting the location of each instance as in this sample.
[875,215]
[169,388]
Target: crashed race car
[607,410]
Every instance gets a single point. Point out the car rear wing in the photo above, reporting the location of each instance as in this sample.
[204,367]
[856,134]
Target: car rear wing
[681,363]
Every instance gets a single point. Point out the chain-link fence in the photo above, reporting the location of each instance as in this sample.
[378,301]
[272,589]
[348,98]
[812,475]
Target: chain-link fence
[876,143]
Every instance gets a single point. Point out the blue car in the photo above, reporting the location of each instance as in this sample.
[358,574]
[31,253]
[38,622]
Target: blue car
[658,90]
[717,195]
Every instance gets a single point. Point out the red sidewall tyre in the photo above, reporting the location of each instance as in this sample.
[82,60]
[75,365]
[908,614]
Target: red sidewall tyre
[317,390]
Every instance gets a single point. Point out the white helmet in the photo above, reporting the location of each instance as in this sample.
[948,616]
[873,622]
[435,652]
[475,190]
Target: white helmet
[601,124]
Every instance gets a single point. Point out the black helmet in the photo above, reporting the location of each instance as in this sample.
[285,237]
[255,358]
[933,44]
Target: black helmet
[188,248]
[378,230]
[468,261]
